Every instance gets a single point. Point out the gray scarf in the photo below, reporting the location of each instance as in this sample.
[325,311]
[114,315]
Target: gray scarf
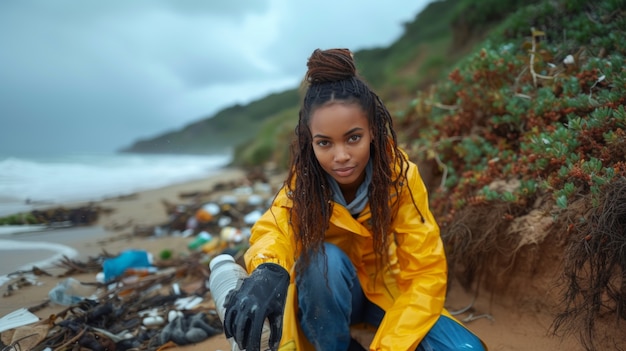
[360,200]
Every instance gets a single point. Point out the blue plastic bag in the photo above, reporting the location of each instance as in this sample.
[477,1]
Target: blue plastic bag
[116,266]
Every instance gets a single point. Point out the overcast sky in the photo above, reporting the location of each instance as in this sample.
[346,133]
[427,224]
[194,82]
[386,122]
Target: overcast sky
[95,76]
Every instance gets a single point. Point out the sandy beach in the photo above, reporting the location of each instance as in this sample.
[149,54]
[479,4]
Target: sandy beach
[504,324]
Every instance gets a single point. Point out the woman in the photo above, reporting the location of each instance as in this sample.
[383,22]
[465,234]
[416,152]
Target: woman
[349,239]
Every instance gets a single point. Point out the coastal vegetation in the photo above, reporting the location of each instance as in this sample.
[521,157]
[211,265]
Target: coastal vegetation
[524,147]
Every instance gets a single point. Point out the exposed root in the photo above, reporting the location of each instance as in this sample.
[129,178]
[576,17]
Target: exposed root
[477,238]
[594,278]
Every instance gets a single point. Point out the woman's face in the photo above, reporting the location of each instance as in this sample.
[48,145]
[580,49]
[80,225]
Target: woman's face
[341,141]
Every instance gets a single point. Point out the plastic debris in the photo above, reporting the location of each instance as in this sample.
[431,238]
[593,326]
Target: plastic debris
[16,319]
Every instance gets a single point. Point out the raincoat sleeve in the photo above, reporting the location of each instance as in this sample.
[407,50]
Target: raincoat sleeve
[271,239]
[422,275]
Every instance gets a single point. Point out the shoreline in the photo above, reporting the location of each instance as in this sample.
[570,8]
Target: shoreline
[41,180]
[42,248]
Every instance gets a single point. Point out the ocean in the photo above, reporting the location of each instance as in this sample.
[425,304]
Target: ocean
[78,177]
[30,181]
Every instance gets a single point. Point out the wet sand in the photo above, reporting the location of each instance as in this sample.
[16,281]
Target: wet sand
[43,248]
[12,260]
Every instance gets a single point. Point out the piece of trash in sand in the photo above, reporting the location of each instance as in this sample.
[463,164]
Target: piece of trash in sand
[255,200]
[188,302]
[229,200]
[207,212]
[16,319]
[231,235]
[216,244]
[68,292]
[116,266]
[151,318]
[201,238]
[252,217]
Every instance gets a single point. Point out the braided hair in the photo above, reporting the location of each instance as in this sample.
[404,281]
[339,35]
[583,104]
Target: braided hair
[332,77]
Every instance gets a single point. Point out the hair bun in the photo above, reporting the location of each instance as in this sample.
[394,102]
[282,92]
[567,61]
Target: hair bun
[330,65]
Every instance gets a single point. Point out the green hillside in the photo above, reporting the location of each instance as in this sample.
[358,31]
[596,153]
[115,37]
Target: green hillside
[221,132]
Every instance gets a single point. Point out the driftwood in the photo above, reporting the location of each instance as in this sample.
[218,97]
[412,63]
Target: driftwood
[92,265]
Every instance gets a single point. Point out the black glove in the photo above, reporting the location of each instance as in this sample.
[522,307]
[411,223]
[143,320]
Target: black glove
[262,295]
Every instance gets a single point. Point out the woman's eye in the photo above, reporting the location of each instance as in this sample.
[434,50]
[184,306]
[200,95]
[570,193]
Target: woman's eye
[354,138]
[322,143]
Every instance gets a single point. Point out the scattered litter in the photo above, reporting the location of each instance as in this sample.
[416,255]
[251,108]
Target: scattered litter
[16,319]
[116,266]
[137,301]
[67,292]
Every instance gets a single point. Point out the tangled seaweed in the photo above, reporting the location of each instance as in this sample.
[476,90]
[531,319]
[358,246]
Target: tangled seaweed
[595,268]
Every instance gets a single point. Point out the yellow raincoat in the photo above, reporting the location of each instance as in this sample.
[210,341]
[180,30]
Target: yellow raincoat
[411,291]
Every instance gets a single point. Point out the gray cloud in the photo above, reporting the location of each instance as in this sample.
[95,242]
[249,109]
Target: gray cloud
[97,75]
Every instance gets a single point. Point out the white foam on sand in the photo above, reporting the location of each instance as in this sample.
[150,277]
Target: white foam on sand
[59,251]
[16,229]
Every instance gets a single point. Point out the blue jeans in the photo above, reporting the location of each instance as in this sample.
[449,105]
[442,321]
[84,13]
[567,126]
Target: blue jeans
[327,308]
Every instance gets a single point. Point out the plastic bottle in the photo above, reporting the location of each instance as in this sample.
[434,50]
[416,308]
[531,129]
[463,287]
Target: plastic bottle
[227,275]
[202,238]
[66,292]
